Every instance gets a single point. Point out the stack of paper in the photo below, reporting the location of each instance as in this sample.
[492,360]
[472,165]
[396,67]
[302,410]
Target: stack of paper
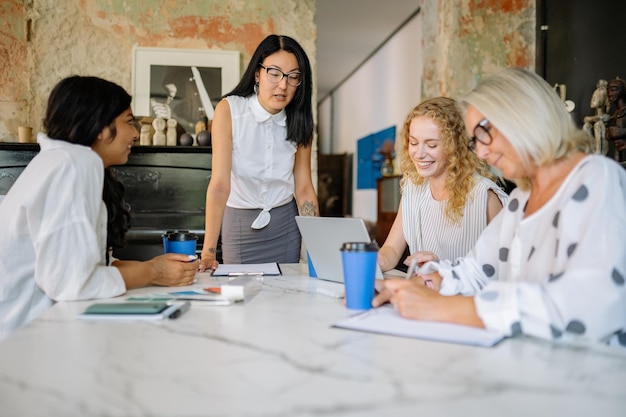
[233,270]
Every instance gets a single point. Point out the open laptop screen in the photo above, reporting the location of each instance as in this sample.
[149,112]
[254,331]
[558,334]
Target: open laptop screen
[323,237]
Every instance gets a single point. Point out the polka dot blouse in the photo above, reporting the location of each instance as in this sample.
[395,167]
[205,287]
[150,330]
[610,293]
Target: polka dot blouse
[560,272]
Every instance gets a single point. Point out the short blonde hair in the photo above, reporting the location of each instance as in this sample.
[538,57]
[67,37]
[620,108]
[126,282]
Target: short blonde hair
[530,114]
[461,163]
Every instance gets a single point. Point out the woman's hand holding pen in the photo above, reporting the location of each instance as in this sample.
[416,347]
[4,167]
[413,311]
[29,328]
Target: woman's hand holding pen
[414,300]
[388,288]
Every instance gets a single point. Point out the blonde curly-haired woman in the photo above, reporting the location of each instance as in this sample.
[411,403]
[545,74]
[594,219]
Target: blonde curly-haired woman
[448,194]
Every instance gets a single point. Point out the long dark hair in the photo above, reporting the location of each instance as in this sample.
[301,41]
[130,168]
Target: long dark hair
[78,109]
[299,112]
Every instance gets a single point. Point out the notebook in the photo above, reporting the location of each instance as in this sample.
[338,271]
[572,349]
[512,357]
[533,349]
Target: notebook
[387,320]
[323,237]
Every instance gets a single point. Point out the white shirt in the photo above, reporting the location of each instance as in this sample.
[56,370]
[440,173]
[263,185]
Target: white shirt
[262,159]
[427,228]
[53,240]
[560,272]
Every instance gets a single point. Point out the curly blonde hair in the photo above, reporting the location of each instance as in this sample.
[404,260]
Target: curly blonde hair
[461,164]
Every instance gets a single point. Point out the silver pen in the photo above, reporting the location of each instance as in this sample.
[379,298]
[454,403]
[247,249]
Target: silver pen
[184,307]
[411,271]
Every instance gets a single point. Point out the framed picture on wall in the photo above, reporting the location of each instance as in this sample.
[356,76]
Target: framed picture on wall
[183,84]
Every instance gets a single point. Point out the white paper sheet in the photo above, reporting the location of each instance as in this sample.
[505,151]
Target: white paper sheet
[387,320]
[224,270]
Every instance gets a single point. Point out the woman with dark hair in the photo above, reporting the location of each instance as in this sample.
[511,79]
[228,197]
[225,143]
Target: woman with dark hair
[66,211]
[262,135]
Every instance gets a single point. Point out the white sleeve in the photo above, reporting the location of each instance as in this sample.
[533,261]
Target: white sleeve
[469,275]
[585,299]
[70,261]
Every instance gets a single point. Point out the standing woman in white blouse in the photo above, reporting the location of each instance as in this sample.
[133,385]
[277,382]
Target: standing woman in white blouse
[552,264]
[262,135]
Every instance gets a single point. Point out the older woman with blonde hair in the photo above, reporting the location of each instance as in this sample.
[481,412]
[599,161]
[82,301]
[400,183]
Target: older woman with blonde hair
[448,194]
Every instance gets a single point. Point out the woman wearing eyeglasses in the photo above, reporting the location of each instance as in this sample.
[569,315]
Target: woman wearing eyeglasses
[448,194]
[262,135]
[552,264]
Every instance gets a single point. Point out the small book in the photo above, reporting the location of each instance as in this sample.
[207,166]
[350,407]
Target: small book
[134,311]
[194,296]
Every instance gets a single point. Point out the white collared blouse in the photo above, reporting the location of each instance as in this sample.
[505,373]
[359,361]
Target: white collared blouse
[262,159]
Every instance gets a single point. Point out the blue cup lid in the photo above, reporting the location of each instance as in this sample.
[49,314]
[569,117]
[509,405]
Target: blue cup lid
[168,232]
[181,236]
[360,246]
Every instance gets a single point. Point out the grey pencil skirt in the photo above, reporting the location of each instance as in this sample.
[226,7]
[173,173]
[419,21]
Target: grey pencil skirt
[279,241]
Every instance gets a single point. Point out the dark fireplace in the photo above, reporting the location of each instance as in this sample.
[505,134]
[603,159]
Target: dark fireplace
[165,187]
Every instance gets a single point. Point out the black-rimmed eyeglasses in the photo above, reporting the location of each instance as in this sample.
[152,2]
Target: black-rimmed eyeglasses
[274,75]
[481,134]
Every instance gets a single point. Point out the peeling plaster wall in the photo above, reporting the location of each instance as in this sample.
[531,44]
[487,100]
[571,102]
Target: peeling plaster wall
[13,68]
[454,44]
[95,37]
[467,39]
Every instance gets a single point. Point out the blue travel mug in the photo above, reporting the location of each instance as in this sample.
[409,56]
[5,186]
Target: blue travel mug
[166,248]
[181,242]
[359,273]
[166,242]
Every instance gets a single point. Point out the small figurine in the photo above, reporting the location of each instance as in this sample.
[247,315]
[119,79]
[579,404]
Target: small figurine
[171,132]
[200,126]
[616,128]
[145,136]
[562,90]
[595,126]
[159,136]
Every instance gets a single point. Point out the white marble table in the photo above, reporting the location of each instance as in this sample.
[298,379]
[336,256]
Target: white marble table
[276,355]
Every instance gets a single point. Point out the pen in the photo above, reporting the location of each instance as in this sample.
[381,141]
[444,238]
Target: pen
[237,274]
[184,307]
[411,270]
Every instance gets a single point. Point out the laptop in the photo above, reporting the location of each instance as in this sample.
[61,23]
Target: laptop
[323,237]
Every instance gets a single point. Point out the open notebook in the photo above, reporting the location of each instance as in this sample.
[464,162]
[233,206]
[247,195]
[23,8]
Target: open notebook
[386,320]
[323,237]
